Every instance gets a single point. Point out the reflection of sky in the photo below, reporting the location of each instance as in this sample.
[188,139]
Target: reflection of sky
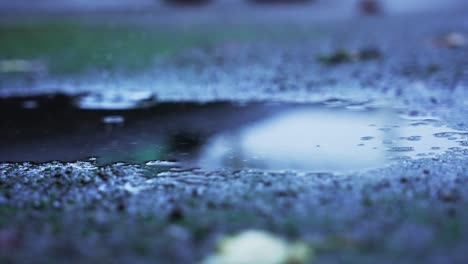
[322,139]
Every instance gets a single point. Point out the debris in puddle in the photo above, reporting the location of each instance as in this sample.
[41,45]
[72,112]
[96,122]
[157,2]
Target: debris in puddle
[113,120]
[256,246]
[451,40]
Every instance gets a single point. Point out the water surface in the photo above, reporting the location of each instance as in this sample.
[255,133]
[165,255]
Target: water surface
[221,135]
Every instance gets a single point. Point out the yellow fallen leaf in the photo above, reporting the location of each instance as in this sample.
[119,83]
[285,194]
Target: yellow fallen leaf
[259,247]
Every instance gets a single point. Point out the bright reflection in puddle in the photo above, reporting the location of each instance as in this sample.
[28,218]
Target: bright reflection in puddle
[333,137]
[325,139]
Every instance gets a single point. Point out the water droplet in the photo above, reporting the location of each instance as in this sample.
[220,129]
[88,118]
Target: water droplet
[385,129]
[113,120]
[413,138]
[401,149]
[444,134]
[419,124]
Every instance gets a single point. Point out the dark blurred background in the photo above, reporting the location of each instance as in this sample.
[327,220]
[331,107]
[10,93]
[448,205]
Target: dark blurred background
[338,6]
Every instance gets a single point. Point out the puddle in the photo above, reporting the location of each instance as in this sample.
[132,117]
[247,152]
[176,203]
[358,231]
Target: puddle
[327,139]
[267,136]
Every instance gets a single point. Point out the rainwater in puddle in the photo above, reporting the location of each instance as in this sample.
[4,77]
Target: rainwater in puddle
[266,136]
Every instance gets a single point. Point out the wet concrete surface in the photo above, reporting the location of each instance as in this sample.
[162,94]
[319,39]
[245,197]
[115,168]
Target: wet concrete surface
[410,67]
[411,210]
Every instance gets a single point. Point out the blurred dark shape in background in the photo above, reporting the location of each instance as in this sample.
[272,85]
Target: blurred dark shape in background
[280,1]
[329,9]
[188,2]
[370,7]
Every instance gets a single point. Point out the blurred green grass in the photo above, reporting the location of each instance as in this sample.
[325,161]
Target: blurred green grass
[74,47]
